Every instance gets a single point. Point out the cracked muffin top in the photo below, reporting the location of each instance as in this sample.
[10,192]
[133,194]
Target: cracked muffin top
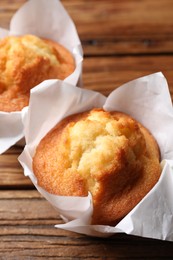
[108,154]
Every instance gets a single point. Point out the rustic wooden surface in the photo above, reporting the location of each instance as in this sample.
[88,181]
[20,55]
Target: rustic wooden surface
[122,40]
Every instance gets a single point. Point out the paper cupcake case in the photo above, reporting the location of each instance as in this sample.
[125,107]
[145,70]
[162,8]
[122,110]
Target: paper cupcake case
[147,99]
[47,19]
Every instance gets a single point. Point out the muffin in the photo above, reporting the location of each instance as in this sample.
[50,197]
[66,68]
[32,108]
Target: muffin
[108,154]
[26,61]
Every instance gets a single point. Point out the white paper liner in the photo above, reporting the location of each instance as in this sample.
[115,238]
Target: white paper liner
[47,19]
[146,99]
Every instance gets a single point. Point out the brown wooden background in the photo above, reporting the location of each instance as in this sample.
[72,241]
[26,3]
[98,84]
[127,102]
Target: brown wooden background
[122,40]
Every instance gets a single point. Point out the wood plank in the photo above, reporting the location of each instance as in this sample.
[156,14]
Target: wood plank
[122,18]
[7,9]
[123,26]
[114,26]
[104,74]
[30,234]
[11,172]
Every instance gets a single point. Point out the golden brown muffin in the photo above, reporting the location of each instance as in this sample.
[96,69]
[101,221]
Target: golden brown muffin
[26,61]
[107,153]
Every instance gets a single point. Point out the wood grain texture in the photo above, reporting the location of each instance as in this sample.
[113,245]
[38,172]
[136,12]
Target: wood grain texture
[104,74]
[27,232]
[11,172]
[123,26]
[114,26]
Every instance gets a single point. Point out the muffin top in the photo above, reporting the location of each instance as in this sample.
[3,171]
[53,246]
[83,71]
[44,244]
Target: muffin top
[25,61]
[108,154]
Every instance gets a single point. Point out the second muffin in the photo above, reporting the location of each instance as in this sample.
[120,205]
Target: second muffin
[26,61]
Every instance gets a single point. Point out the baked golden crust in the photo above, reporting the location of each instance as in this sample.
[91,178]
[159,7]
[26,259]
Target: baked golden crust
[26,61]
[107,153]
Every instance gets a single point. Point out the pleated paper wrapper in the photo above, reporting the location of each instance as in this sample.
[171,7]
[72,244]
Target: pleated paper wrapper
[146,99]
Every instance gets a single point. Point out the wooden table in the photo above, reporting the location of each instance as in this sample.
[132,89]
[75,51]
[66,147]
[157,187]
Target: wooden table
[122,40]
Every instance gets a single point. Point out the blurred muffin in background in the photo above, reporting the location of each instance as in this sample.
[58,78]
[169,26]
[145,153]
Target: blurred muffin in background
[26,61]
